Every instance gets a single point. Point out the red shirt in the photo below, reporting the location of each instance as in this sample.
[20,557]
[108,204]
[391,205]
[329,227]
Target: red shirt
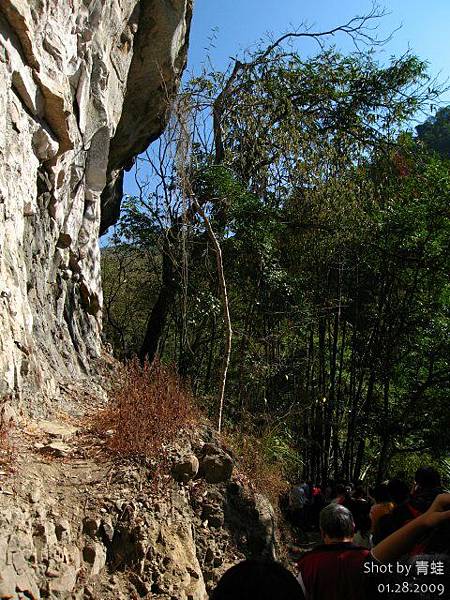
[333,572]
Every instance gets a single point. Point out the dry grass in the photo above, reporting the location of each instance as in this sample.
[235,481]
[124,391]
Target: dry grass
[148,407]
[261,474]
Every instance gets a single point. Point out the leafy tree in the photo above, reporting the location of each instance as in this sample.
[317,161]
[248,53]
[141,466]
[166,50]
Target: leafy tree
[435,132]
[334,235]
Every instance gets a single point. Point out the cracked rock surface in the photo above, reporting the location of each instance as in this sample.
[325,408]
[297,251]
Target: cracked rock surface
[84,524]
[83,89]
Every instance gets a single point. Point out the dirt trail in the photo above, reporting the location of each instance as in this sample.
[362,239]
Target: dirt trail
[57,475]
[77,523]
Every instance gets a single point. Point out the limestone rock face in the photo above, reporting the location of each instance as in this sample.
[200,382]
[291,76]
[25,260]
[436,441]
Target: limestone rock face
[84,87]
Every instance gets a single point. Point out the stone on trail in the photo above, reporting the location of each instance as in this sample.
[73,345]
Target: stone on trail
[63,431]
[108,528]
[58,449]
[216,465]
[7,582]
[185,468]
[91,526]
[65,582]
[94,554]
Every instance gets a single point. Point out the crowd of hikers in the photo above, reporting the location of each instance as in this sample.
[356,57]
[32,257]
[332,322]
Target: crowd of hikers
[376,511]
[377,543]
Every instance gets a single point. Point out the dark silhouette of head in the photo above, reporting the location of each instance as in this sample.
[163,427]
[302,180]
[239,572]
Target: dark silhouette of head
[340,489]
[258,580]
[359,492]
[381,493]
[398,490]
[427,478]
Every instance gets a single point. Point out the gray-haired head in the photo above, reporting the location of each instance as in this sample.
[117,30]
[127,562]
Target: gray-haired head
[336,522]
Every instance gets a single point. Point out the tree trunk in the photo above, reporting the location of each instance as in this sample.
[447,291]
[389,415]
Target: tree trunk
[158,317]
[226,309]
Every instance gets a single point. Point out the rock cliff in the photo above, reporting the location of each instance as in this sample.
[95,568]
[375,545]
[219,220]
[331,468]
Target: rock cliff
[84,88]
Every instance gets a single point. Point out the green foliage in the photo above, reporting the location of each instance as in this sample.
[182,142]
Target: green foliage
[407,464]
[333,222]
[217,182]
[288,112]
[280,450]
[129,285]
[435,132]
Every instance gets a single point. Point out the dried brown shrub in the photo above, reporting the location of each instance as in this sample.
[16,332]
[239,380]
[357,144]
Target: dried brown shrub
[148,407]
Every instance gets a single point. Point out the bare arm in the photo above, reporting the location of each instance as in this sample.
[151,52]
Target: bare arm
[401,541]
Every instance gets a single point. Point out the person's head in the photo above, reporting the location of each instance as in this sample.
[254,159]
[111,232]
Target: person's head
[381,493]
[336,524]
[359,492]
[340,489]
[427,478]
[398,490]
[265,580]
